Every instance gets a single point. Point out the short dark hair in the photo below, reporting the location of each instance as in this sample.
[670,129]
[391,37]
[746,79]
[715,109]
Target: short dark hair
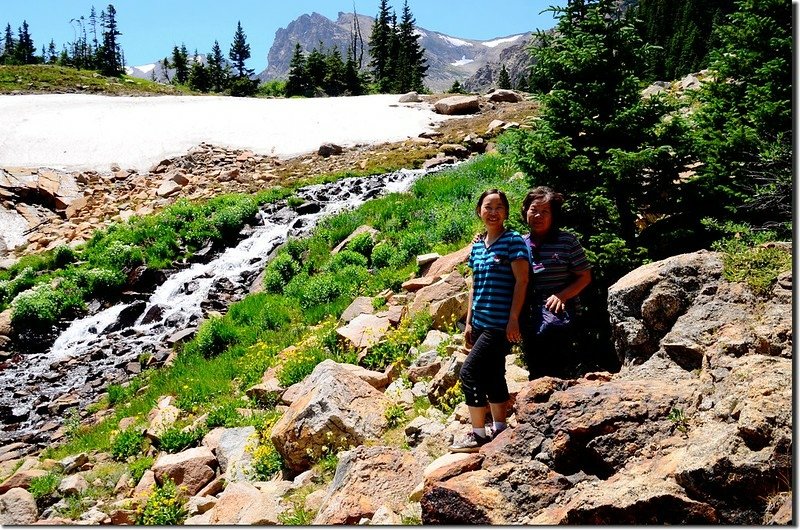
[547,195]
[492,191]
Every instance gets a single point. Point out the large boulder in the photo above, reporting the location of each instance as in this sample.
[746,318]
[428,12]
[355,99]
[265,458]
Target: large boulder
[458,105]
[366,479]
[245,504]
[235,460]
[192,469]
[17,507]
[446,300]
[364,331]
[696,428]
[335,408]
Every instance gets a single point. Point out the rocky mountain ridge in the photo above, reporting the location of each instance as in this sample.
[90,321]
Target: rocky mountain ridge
[449,58]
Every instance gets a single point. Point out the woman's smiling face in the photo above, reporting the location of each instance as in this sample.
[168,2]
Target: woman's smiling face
[539,217]
[493,211]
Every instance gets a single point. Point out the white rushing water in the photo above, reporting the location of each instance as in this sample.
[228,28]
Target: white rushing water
[91,351]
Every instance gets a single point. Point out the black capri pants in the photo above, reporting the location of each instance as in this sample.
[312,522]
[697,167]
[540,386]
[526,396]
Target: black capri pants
[483,375]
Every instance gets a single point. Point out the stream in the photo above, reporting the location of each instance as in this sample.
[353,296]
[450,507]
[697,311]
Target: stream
[38,390]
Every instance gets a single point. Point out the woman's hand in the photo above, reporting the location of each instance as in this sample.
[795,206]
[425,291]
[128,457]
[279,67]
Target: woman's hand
[468,335]
[555,304]
[512,330]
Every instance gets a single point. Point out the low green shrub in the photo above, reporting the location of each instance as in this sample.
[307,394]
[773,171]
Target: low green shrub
[164,507]
[138,467]
[297,515]
[280,272]
[174,439]
[224,415]
[213,337]
[382,254]
[395,414]
[362,244]
[346,258]
[44,486]
[43,305]
[127,443]
[266,461]
[63,255]
[301,364]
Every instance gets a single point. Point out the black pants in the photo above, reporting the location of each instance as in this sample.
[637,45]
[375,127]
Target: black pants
[550,352]
[483,375]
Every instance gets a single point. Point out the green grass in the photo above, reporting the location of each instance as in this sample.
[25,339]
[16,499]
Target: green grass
[37,78]
[51,285]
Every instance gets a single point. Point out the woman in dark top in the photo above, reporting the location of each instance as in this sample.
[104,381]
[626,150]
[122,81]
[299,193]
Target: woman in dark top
[559,272]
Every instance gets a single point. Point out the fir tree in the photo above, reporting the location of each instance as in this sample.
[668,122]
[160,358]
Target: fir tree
[334,83]
[199,78]
[503,80]
[379,44]
[217,69]
[297,84]
[411,62]
[24,51]
[51,56]
[110,54]
[9,43]
[456,88]
[316,67]
[240,52]
[180,62]
[353,82]
[744,133]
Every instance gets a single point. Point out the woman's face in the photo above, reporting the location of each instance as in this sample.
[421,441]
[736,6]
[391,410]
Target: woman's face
[539,217]
[493,211]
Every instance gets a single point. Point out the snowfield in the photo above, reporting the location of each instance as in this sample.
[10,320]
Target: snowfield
[88,132]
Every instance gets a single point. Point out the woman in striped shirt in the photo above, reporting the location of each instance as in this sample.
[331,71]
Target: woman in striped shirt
[560,272]
[499,263]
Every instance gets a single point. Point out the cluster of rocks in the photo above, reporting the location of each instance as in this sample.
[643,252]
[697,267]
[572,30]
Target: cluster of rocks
[67,207]
[695,428]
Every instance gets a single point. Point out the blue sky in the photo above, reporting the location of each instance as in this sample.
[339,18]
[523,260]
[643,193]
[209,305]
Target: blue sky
[150,28]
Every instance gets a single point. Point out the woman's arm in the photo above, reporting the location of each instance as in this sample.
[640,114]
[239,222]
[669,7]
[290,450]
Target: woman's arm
[557,302]
[520,269]
[468,326]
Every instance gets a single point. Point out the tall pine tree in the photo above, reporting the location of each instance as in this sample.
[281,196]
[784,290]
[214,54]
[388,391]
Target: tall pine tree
[240,52]
[110,53]
[297,84]
[180,62]
[9,43]
[503,80]
[25,50]
[217,69]
[411,62]
[379,44]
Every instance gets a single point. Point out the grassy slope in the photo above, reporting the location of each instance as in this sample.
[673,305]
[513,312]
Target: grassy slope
[45,78]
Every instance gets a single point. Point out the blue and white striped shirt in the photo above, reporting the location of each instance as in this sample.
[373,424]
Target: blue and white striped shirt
[493,279]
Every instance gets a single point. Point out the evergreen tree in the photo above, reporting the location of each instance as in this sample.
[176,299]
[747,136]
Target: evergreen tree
[456,88]
[316,68]
[51,56]
[334,83]
[679,31]
[297,84]
[599,142]
[503,80]
[180,62]
[389,82]
[24,51]
[240,52]
[353,82]
[110,53]
[744,133]
[9,44]
[199,78]
[217,69]
[411,62]
[379,44]
[95,43]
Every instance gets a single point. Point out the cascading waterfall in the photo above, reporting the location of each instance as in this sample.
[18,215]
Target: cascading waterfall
[104,348]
